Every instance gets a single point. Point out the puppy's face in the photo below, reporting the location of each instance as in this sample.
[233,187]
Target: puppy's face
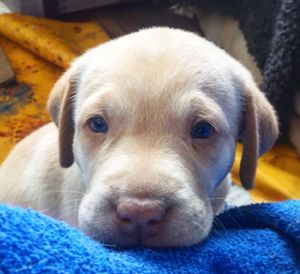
[152,120]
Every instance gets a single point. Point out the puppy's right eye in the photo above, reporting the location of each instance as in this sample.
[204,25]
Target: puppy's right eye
[98,124]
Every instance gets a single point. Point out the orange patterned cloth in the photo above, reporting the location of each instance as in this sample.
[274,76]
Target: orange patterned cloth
[40,49]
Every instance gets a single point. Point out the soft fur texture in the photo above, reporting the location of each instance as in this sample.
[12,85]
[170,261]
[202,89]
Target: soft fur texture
[265,37]
[261,238]
[146,178]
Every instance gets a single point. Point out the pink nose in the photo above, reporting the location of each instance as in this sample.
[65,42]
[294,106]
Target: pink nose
[140,218]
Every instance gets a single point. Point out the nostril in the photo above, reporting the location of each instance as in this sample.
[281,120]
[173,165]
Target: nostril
[125,221]
[127,224]
[151,217]
[153,222]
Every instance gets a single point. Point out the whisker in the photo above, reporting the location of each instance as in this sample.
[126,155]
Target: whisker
[214,198]
[234,220]
[40,196]
[220,224]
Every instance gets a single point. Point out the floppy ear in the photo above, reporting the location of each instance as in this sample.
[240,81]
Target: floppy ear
[259,134]
[60,106]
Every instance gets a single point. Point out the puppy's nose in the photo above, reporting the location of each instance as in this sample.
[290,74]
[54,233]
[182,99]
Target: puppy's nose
[140,217]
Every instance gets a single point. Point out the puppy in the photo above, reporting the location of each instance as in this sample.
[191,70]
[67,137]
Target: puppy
[143,140]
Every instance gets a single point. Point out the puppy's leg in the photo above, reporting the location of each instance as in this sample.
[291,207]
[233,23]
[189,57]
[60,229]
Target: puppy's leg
[220,194]
[233,195]
[31,176]
[238,196]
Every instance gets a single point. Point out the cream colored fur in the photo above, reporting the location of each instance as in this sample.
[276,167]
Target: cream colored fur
[151,87]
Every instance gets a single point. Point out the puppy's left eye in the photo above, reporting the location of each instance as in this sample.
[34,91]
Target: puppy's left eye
[98,124]
[202,130]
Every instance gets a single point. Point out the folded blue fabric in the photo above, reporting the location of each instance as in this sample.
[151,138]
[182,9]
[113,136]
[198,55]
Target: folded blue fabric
[260,238]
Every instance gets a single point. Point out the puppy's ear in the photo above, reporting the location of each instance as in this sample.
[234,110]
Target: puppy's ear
[260,130]
[60,106]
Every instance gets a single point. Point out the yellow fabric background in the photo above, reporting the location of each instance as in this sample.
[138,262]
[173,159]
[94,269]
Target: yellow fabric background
[40,49]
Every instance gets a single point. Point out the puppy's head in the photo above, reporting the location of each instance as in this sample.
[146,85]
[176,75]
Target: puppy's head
[152,120]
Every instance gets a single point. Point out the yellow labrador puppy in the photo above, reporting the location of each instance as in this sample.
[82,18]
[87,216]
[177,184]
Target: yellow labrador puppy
[143,140]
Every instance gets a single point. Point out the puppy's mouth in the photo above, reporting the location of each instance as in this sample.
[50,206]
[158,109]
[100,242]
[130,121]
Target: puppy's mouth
[155,241]
[135,241]
[151,221]
[175,230]
[141,235]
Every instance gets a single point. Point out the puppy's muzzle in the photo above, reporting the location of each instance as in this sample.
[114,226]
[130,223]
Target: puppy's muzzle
[140,218]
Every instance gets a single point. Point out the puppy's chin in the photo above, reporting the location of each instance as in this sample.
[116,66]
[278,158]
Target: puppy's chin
[165,239]
[158,241]
[185,225]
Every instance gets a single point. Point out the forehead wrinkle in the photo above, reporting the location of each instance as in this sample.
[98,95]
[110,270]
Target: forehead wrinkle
[197,105]
[149,114]
[101,102]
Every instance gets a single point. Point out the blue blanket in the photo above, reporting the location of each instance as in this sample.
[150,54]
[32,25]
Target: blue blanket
[261,238]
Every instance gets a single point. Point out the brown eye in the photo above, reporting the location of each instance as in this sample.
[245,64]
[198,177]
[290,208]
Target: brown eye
[98,124]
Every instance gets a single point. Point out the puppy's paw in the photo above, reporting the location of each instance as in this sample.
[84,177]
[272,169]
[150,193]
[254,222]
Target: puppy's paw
[238,196]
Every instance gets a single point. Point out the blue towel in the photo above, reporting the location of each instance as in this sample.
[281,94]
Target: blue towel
[261,238]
